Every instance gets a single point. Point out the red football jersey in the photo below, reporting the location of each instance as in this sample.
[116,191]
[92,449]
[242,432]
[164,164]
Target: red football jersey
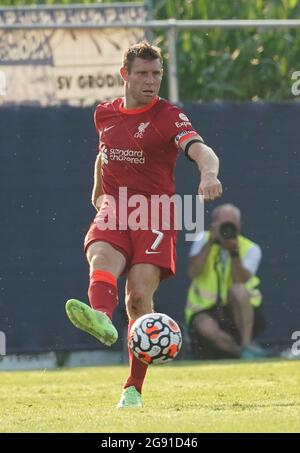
[139,147]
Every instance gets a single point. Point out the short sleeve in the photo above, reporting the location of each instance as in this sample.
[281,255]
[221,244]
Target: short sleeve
[198,244]
[96,118]
[252,259]
[97,115]
[177,127]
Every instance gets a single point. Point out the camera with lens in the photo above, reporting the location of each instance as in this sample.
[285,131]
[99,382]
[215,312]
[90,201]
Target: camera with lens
[228,230]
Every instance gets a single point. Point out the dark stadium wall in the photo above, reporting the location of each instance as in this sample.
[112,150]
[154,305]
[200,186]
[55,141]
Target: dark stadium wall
[47,158]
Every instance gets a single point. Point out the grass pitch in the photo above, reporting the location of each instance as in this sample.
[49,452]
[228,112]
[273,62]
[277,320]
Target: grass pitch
[227,396]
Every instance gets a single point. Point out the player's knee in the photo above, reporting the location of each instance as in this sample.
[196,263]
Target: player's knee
[99,255]
[100,260]
[136,297]
[137,303]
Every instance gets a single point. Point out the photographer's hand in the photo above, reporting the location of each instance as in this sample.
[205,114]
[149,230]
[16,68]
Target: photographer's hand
[213,232]
[196,263]
[230,244]
[239,273]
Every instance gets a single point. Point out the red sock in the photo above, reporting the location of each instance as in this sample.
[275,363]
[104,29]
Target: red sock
[103,292]
[138,369]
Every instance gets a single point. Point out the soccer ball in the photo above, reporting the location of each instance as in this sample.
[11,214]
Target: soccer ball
[155,338]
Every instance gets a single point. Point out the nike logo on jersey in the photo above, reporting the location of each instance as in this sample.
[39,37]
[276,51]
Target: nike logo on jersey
[150,252]
[107,128]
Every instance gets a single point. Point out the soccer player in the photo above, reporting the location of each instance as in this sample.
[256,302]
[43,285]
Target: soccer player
[140,136]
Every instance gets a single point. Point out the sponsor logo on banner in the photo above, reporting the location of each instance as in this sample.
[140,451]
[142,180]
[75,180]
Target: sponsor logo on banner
[64,66]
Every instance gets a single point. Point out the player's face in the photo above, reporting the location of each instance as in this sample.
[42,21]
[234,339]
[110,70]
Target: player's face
[144,79]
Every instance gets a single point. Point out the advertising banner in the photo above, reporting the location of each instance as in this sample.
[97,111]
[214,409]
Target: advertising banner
[58,66]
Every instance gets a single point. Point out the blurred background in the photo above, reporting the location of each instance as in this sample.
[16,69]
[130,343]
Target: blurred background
[239,86]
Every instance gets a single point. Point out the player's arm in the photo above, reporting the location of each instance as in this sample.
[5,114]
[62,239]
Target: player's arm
[208,163]
[97,189]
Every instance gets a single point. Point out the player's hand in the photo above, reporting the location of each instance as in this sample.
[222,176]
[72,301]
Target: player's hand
[210,187]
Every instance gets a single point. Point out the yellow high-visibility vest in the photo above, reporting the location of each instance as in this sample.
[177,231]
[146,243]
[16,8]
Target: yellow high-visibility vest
[203,292]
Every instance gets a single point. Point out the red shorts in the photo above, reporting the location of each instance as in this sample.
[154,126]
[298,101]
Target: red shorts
[157,246]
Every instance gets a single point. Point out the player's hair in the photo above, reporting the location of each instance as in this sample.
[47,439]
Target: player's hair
[142,50]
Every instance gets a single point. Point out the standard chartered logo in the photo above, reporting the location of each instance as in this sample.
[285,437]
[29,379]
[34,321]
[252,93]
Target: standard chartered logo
[129,155]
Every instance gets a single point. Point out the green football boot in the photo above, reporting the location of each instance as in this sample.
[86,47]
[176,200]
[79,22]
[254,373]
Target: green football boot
[91,321]
[130,398]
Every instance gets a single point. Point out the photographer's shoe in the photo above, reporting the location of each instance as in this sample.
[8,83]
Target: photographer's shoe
[91,321]
[253,351]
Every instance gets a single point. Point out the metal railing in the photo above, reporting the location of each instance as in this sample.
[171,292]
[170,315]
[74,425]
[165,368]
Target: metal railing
[170,25]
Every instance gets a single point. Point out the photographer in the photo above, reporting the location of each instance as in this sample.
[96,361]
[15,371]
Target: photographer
[223,307]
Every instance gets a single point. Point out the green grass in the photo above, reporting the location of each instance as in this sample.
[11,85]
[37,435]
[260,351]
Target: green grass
[228,396]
